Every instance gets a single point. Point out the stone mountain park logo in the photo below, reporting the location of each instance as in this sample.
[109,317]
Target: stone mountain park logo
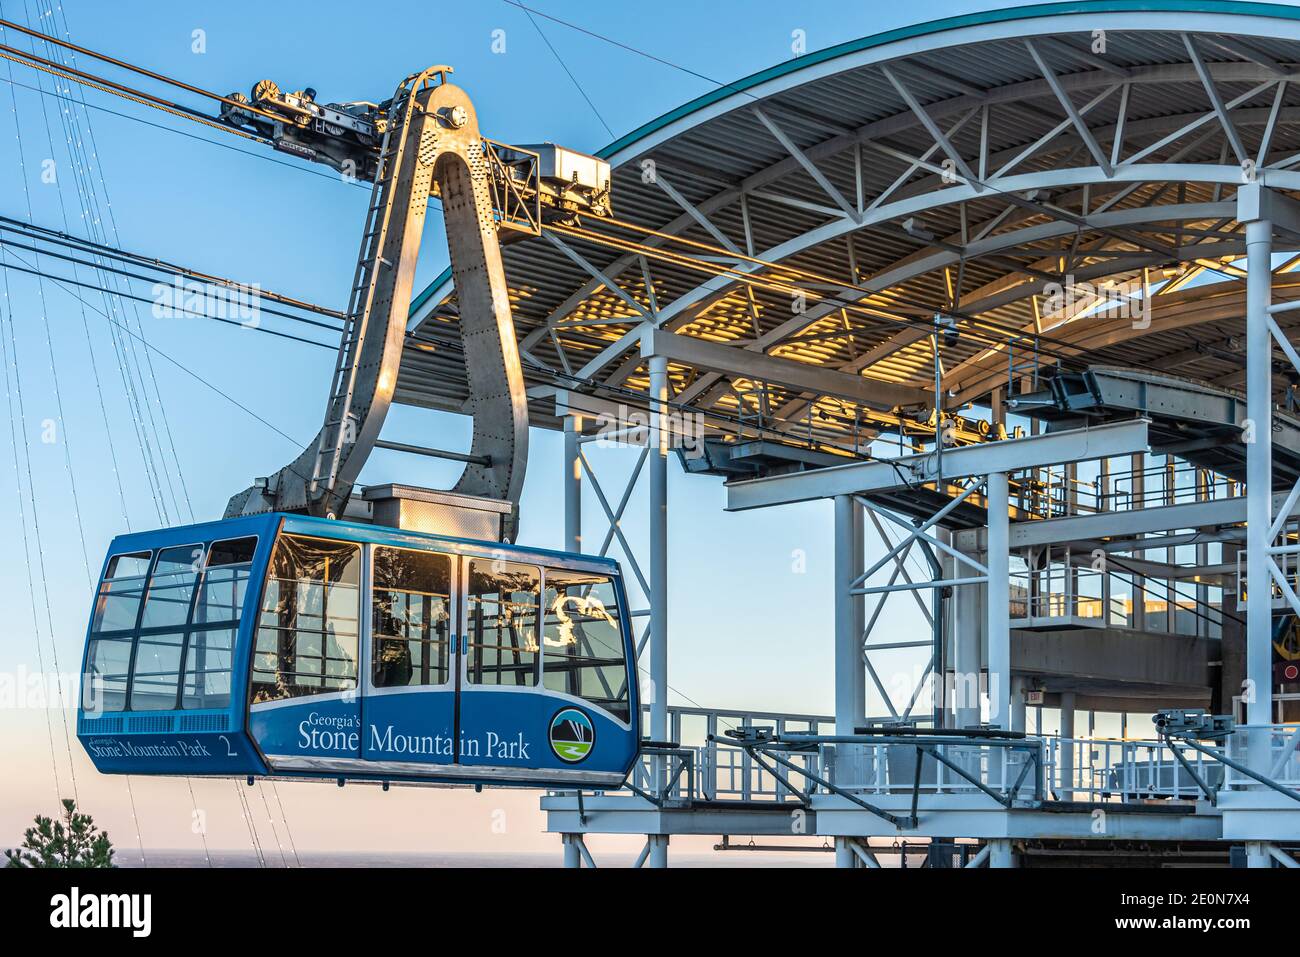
[572,735]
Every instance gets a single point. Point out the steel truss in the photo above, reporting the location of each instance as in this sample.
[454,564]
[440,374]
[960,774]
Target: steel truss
[925,197]
[1103,190]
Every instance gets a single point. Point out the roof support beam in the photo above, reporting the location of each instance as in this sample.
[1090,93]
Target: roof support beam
[933,129]
[1240,49]
[694,212]
[582,262]
[1080,126]
[1216,100]
[1254,202]
[1087,57]
[1194,124]
[734,361]
[809,166]
[1010,455]
[1054,132]
[923,161]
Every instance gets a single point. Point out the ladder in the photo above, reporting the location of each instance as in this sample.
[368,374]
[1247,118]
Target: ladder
[339,430]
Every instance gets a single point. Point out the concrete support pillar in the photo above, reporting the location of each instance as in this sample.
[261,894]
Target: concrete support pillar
[850,670]
[1259,468]
[1001,854]
[572,484]
[998,626]
[1065,757]
[1257,855]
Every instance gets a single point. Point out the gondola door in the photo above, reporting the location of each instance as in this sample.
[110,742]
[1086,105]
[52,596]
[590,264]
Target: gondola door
[409,697]
[501,719]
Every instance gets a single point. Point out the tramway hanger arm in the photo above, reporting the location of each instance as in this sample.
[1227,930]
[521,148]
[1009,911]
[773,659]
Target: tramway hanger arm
[424,141]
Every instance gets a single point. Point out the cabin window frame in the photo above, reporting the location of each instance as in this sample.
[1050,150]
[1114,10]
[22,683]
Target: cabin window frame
[128,636]
[457,583]
[625,654]
[141,633]
[470,621]
[361,609]
[231,625]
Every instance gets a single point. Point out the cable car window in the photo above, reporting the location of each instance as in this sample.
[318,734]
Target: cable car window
[171,588]
[205,681]
[207,668]
[225,580]
[582,641]
[155,671]
[107,665]
[412,617]
[118,603]
[502,626]
[307,633]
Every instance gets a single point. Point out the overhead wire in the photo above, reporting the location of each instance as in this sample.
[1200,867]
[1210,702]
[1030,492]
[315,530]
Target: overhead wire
[101,221]
[108,431]
[565,67]
[12,392]
[132,384]
[64,714]
[988,328]
[45,234]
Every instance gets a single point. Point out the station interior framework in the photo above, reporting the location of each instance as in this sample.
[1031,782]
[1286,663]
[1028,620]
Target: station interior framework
[1015,292]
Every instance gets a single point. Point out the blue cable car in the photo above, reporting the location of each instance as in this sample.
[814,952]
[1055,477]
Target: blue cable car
[293,646]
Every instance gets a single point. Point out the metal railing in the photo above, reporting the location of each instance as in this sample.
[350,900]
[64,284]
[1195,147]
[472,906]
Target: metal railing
[699,765]
[1270,749]
[1103,769]
[1007,770]
[1061,590]
[1055,493]
[1162,485]
[722,773]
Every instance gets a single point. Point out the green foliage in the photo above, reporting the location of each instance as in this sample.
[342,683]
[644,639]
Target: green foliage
[72,841]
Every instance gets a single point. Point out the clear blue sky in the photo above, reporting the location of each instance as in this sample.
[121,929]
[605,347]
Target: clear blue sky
[747,629]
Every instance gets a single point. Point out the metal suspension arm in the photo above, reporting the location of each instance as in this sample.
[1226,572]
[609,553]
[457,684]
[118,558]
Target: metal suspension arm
[432,145]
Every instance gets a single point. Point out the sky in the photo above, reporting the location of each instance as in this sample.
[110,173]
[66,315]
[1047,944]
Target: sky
[750,607]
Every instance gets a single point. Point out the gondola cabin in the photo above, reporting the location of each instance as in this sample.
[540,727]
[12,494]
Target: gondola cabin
[302,647]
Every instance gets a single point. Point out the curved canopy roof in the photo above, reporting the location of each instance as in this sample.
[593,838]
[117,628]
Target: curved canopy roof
[1059,179]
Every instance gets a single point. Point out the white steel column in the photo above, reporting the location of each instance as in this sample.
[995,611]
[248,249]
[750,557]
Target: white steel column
[966,620]
[1259,478]
[1065,753]
[572,857]
[850,671]
[572,484]
[659,447]
[997,611]
[1001,854]
[1017,702]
